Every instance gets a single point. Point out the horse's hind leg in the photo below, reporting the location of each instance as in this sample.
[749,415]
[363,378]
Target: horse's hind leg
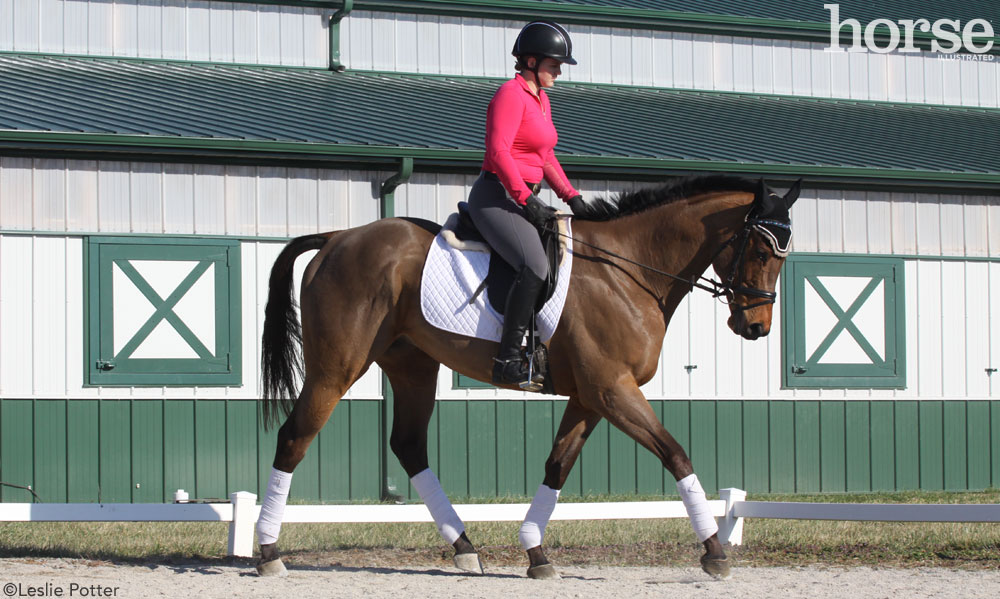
[413,375]
[576,425]
[625,407]
[312,409]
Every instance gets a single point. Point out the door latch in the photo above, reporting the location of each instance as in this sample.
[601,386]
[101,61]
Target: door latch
[105,365]
[798,370]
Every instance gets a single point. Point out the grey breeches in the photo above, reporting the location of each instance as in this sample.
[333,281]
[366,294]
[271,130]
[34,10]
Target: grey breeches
[502,223]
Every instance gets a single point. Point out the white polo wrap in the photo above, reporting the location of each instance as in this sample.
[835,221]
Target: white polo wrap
[429,488]
[273,507]
[699,512]
[537,518]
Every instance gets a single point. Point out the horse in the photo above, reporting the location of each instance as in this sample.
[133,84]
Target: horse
[635,258]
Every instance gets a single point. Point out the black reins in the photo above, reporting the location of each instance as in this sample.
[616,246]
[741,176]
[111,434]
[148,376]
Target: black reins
[716,288]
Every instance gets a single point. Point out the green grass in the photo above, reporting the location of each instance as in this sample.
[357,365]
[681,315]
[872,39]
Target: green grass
[612,542]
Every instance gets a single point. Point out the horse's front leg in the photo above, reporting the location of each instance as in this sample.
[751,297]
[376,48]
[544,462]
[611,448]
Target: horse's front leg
[625,407]
[577,424]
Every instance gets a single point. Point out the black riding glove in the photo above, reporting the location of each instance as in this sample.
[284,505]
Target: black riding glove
[577,205]
[537,212]
[596,209]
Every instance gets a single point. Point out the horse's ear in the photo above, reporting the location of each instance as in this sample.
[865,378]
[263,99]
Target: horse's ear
[793,194]
[761,189]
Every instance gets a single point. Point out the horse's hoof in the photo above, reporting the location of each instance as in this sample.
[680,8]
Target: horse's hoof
[716,567]
[272,568]
[543,572]
[469,562]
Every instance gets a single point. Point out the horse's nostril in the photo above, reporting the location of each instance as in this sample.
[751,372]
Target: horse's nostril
[756,330]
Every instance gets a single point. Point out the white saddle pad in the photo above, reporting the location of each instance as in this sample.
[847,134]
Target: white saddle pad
[450,278]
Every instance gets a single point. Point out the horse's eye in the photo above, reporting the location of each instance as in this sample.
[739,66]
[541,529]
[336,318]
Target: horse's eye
[763,255]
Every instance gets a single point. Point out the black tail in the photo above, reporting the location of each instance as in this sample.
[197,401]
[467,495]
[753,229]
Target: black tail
[280,362]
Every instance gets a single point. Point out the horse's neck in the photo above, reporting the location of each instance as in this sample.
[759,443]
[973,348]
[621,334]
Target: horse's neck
[680,238]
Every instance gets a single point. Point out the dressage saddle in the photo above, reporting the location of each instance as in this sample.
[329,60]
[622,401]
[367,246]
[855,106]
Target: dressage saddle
[500,277]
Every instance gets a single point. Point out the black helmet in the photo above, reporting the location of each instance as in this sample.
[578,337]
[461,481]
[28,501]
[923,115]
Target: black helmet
[544,38]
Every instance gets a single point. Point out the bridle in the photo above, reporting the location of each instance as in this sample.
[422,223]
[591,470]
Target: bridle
[726,288]
[742,240]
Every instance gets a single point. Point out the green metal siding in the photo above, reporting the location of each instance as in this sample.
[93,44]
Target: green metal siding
[83,450]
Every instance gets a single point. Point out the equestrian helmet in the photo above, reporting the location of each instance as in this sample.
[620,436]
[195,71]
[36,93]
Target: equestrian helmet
[544,39]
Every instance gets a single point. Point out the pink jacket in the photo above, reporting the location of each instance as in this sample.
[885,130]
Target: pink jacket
[520,137]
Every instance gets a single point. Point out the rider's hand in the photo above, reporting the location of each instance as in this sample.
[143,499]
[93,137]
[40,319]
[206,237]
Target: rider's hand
[577,205]
[596,209]
[537,212]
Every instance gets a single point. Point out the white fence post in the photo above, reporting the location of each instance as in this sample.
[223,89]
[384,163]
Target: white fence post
[731,527]
[241,528]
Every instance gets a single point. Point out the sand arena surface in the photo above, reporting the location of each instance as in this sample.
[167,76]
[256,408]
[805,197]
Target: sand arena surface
[84,578]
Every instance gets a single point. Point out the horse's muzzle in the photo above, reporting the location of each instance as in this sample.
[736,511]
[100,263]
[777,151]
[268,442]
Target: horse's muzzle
[748,330]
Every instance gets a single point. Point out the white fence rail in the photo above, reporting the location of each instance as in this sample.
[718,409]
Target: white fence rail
[730,510]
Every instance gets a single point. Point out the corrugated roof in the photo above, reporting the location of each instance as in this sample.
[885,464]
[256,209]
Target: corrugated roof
[91,102]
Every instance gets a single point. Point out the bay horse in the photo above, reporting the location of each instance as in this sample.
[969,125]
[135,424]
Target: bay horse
[635,258]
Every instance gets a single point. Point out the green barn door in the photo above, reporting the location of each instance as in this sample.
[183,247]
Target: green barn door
[843,322]
[164,312]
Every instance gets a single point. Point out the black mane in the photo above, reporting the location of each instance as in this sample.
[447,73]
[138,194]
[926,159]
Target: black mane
[633,202]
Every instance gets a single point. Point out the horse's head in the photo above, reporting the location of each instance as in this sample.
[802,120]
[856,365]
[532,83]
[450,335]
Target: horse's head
[750,261]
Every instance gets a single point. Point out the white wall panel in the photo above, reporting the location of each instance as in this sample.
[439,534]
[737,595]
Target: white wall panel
[303,206]
[976,226]
[125,31]
[209,199]
[81,195]
[245,39]
[952,225]
[928,341]
[830,221]
[241,200]
[16,191]
[994,228]
[146,197]
[48,311]
[676,354]
[178,198]
[855,219]
[292,27]
[50,194]
[113,200]
[904,230]
[16,317]
[977,336]
[52,24]
[25,26]
[928,212]
[879,222]
[994,329]
[174,27]
[953,329]
[6,24]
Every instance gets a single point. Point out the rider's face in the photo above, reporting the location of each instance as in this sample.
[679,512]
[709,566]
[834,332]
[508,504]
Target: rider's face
[548,70]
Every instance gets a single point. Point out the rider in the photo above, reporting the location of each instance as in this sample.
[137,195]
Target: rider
[520,138]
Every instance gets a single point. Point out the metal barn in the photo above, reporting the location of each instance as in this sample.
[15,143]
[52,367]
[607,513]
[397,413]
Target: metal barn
[155,155]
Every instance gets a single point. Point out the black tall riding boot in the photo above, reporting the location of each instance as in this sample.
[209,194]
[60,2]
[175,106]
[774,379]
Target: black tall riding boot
[510,367]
